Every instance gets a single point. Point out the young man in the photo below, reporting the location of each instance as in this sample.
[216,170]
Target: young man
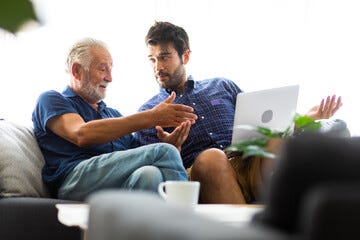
[88,146]
[214,103]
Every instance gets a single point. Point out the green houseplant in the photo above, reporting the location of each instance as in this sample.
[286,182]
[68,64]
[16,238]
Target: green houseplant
[257,146]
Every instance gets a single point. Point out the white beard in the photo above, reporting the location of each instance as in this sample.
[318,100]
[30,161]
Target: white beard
[92,93]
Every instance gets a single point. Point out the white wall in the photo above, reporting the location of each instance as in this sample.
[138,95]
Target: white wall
[257,43]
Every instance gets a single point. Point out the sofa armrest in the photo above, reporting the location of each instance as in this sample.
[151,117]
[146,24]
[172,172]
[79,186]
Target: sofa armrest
[33,218]
[331,212]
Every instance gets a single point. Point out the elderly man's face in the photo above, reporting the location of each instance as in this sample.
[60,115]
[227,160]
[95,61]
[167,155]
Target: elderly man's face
[95,81]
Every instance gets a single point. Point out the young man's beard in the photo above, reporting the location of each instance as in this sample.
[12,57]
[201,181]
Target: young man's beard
[175,80]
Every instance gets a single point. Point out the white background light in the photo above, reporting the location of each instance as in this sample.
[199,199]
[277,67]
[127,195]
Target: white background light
[258,44]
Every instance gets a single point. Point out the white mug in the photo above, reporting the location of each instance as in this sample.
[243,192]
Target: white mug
[180,192]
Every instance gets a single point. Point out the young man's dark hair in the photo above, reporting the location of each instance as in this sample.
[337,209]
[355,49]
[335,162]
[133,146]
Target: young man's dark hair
[165,32]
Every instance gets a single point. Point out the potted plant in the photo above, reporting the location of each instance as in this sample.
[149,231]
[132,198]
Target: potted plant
[249,157]
[257,146]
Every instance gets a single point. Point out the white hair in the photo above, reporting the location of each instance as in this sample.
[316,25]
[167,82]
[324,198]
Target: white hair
[80,53]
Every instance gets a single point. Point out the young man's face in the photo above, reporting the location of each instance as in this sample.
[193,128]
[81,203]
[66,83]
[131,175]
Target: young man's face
[168,67]
[94,82]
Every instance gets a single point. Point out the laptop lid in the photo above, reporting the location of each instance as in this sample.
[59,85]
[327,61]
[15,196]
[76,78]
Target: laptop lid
[271,108]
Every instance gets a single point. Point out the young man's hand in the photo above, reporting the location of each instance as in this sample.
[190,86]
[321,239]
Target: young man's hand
[326,109]
[177,137]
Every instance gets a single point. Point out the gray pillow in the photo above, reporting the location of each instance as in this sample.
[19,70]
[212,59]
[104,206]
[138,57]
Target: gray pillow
[21,162]
[334,128]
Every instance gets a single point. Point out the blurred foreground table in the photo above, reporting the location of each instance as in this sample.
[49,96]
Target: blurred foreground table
[77,214]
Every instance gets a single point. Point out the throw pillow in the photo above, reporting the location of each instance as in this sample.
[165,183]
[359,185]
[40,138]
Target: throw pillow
[21,162]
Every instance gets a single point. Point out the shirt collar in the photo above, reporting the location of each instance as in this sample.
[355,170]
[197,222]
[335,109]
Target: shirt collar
[68,92]
[189,85]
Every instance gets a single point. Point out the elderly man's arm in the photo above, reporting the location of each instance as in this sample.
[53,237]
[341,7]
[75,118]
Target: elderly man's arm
[73,128]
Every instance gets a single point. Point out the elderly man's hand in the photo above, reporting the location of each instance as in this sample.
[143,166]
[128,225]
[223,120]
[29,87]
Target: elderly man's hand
[326,109]
[169,114]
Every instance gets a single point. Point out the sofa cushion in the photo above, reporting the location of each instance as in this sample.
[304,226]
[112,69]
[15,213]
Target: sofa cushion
[21,162]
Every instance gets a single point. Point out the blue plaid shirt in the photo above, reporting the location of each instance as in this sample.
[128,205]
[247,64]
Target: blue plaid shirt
[214,103]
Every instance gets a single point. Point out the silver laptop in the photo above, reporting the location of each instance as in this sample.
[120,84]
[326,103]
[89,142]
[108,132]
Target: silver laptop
[271,108]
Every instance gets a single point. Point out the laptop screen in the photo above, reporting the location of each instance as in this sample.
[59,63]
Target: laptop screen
[272,108]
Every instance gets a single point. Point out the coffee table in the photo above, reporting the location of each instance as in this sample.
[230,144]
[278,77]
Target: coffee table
[77,214]
[73,215]
[236,215]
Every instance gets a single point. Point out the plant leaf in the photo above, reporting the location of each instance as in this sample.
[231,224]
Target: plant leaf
[254,150]
[305,123]
[14,13]
[262,130]
[257,146]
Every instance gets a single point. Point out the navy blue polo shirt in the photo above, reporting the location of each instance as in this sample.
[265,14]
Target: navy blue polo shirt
[61,156]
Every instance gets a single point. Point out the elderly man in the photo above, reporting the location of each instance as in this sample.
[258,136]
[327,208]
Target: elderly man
[88,146]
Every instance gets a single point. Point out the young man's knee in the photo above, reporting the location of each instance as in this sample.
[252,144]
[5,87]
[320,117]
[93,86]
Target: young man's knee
[210,162]
[210,158]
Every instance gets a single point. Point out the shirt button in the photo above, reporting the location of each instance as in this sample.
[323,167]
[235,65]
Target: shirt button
[221,146]
[194,103]
[202,117]
[210,134]
[181,95]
